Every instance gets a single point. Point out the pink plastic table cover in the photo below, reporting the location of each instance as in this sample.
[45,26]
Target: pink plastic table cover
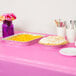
[35,60]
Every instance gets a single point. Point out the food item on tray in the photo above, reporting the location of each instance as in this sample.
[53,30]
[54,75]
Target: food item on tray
[53,40]
[24,37]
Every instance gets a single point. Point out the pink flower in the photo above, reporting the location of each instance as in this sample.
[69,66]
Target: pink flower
[13,15]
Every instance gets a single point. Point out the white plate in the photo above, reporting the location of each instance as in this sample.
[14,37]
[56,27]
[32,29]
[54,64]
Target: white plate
[68,51]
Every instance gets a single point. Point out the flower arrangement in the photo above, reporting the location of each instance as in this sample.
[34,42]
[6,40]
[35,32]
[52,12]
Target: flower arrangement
[8,17]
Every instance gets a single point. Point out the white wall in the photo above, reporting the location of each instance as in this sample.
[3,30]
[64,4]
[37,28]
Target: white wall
[39,15]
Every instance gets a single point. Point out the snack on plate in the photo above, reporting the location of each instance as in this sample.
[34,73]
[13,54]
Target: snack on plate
[23,37]
[53,40]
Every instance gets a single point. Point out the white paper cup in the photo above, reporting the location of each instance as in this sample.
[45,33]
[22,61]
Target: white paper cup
[61,31]
[70,33]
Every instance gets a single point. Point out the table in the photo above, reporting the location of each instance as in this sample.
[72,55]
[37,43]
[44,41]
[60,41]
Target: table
[35,60]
